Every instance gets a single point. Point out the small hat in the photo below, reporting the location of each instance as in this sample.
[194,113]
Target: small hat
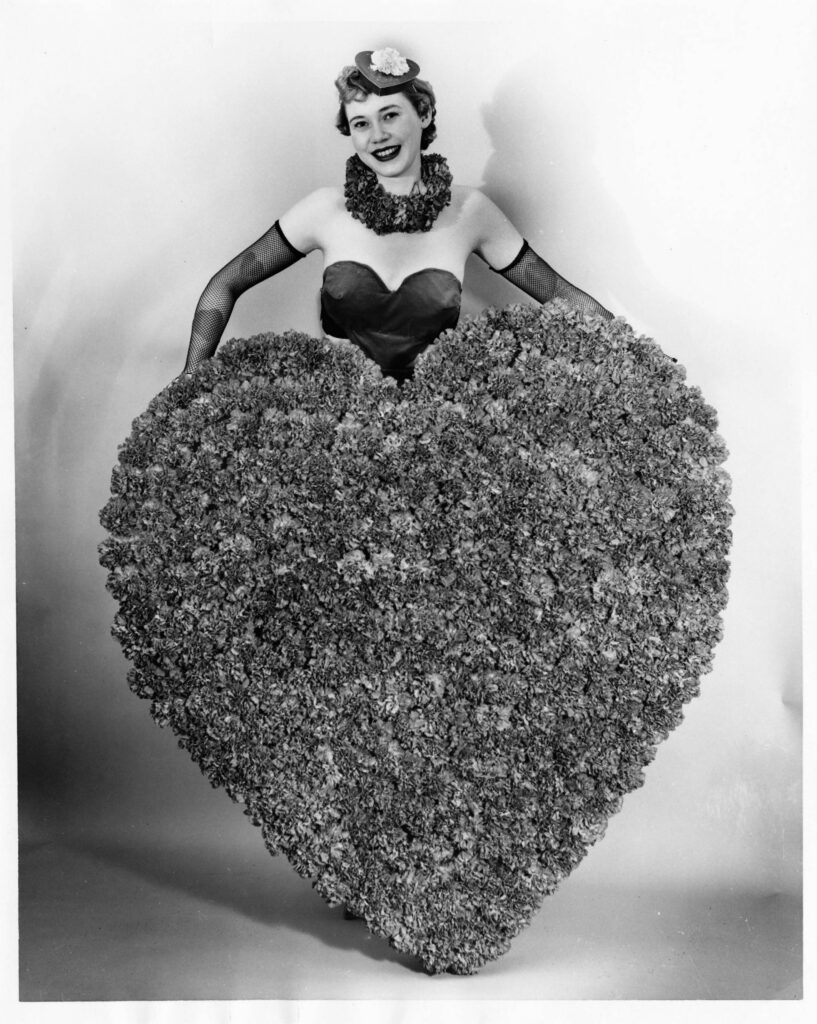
[386,70]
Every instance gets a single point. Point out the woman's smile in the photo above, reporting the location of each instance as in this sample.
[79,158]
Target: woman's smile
[387,153]
[387,133]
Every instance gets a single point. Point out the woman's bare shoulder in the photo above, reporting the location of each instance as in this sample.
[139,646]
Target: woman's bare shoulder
[462,202]
[476,203]
[492,235]
[327,197]
[304,223]
[471,199]
[477,209]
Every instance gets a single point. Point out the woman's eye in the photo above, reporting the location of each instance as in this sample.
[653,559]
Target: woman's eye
[391,114]
[359,124]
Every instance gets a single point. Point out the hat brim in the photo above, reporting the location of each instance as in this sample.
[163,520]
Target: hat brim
[381,83]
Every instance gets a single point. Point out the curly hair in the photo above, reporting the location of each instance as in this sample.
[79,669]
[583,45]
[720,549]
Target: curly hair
[352,85]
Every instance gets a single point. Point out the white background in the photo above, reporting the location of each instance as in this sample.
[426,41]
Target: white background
[659,153]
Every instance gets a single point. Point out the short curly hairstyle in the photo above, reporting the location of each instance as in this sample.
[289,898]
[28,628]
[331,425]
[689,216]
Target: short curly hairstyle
[352,85]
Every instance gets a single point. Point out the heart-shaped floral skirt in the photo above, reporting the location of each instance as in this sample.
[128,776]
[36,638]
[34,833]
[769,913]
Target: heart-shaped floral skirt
[429,635]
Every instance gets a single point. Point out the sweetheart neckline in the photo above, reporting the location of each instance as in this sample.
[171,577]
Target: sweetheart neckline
[393,291]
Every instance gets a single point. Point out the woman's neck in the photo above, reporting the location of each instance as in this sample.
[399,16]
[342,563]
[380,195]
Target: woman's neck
[404,184]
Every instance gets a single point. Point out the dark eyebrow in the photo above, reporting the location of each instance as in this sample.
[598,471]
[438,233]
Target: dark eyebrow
[389,106]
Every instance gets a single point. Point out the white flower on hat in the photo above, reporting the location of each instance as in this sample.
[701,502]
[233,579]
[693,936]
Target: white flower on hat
[389,61]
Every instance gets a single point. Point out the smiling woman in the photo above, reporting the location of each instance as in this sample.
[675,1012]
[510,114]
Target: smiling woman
[364,114]
[399,220]
[428,637]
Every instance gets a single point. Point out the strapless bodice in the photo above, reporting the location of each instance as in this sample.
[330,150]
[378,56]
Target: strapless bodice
[392,326]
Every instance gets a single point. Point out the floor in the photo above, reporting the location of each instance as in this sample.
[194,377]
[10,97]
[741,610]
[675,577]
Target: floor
[121,918]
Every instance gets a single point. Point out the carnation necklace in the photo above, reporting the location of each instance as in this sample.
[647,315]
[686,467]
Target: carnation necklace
[384,212]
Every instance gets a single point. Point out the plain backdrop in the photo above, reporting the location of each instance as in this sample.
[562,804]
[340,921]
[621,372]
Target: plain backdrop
[658,154]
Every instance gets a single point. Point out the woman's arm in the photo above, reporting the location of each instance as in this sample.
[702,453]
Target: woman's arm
[269,255]
[287,241]
[507,253]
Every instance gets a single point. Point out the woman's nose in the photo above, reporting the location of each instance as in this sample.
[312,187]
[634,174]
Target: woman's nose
[380,132]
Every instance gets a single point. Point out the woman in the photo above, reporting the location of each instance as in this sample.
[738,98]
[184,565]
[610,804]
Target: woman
[444,797]
[394,240]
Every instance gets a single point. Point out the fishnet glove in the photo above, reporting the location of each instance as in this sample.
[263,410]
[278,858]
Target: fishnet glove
[270,254]
[539,280]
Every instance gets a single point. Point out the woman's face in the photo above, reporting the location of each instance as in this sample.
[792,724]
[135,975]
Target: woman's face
[386,133]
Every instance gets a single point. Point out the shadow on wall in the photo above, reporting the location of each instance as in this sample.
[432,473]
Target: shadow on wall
[544,175]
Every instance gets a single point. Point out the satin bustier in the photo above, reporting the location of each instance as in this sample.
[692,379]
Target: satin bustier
[392,327]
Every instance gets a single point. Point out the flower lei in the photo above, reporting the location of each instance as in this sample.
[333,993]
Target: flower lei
[369,202]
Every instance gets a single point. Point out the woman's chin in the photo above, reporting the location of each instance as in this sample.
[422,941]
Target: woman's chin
[398,166]
[389,168]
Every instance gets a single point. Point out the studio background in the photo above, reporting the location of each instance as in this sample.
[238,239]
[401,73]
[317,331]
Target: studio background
[654,154]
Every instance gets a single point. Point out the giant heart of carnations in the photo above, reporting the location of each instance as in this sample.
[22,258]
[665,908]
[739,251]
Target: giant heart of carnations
[428,635]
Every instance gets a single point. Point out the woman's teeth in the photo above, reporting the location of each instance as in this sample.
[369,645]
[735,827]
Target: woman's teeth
[386,154]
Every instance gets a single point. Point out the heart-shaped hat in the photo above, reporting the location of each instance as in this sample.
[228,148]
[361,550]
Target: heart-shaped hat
[386,70]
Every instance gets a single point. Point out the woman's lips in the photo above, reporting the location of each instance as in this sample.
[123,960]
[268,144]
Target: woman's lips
[387,153]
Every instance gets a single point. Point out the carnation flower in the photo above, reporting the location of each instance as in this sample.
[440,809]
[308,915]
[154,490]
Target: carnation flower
[389,61]
[429,636]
